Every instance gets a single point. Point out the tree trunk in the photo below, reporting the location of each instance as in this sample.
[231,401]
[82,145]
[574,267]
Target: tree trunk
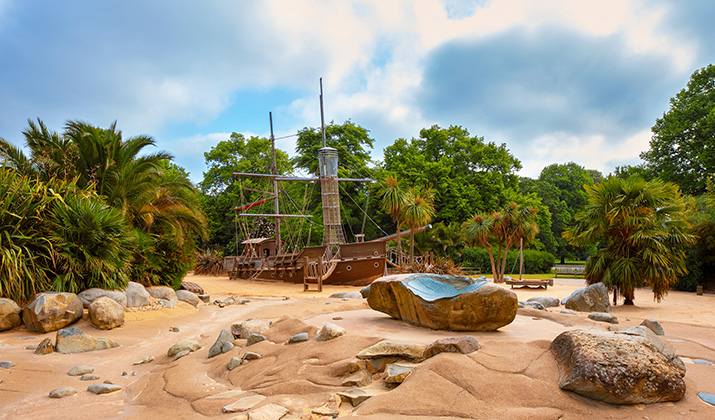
[629,296]
[412,246]
[399,245]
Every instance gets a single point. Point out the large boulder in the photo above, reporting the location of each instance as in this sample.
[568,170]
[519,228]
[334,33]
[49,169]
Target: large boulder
[163,292]
[74,340]
[593,298]
[188,297]
[88,296]
[51,311]
[105,313]
[444,302]
[137,295]
[627,367]
[9,314]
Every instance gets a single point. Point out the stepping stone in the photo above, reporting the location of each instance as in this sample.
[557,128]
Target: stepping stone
[103,388]
[603,317]
[65,391]
[708,398]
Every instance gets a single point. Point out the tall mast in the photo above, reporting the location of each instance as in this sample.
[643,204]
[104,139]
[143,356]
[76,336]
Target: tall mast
[322,118]
[274,171]
[329,191]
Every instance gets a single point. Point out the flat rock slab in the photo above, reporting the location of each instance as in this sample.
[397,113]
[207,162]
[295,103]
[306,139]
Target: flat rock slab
[463,345]
[74,340]
[397,372]
[6,364]
[444,302]
[354,396]
[545,301]
[183,345]
[387,348]
[268,412]
[243,404]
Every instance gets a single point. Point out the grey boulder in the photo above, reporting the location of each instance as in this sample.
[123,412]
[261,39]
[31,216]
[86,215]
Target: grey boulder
[545,301]
[593,298]
[88,296]
[137,295]
[188,297]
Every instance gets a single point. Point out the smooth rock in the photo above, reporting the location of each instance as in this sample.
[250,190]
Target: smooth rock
[593,298]
[45,347]
[145,360]
[532,305]
[328,332]
[183,345]
[603,317]
[629,367]
[137,295]
[224,337]
[248,327]
[243,404]
[7,364]
[298,338]
[188,297]
[74,340]
[268,412]
[708,398]
[80,370]
[568,311]
[162,292]
[654,326]
[444,302]
[396,372]
[103,388]
[254,338]
[65,391]
[51,311]
[178,355]
[105,313]
[387,348]
[234,363]
[227,347]
[463,345]
[88,296]
[249,355]
[9,314]
[166,303]
[89,377]
[545,301]
[348,295]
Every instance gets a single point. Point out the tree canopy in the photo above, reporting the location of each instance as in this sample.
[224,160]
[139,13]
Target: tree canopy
[682,149]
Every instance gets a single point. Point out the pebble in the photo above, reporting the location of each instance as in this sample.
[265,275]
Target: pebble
[65,391]
[125,373]
[89,377]
[108,382]
[147,359]
[6,364]
[234,363]
[337,318]
[174,329]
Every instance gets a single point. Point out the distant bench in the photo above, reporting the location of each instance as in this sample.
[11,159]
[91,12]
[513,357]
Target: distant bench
[569,270]
[471,271]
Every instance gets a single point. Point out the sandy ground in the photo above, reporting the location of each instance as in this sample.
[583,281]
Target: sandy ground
[512,376]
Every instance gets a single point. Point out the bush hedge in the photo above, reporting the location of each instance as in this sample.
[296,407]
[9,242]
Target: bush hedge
[535,262]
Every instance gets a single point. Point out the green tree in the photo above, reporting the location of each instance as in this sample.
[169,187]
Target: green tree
[500,231]
[468,174]
[682,149]
[643,224]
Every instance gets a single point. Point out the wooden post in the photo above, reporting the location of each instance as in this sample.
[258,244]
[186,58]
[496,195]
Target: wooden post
[699,290]
[320,275]
[306,273]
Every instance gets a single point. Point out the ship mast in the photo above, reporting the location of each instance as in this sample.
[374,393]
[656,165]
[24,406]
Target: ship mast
[329,191]
[274,171]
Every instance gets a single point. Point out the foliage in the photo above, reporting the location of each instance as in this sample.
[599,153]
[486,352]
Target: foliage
[646,234]
[439,266]
[535,262]
[700,258]
[467,174]
[682,149]
[209,263]
[499,231]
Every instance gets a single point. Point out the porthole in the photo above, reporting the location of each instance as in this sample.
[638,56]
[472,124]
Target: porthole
[273,274]
[375,253]
[377,264]
[348,268]
[281,274]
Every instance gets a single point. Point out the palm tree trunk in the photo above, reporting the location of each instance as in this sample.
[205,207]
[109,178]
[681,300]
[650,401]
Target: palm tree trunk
[412,245]
[399,245]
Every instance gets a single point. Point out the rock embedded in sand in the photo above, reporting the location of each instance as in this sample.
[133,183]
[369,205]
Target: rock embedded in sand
[243,404]
[234,363]
[218,347]
[65,391]
[51,311]
[593,298]
[603,317]
[183,345]
[74,340]
[178,356]
[103,388]
[328,332]
[90,295]
[268,412]
[249,355]
[348,295]
[354,396]
[137,295]
[254,338]
[298,338]
[629,367]
[387,348]
[654,326]
[45,347]
[89,377]
[9,314]
[545,301]
[105,313]
[248,327]
[444,302]
[532,305]
[397,372]
[166,303]
[80,370]
[7,364]
[162,292]
[568,311]
[145,360]
[188,297]
[462,345]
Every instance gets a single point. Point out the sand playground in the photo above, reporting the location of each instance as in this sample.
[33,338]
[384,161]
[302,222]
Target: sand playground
[512,376]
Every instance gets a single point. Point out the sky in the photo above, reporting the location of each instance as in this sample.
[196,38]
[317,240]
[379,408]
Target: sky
[557,81]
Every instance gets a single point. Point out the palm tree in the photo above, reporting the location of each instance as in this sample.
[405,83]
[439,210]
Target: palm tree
[418,212]
[499,231]
[394,199]
[646,234]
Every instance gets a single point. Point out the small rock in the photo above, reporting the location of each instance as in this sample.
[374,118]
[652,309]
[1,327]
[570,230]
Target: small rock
[103,388]
[388,348]
[249,355]
[545,301]
[603,317]
[354,396]
[166,303]
[89,377]
[654,326]
[74,340]
[174,329]
[568,311]
[357,379]
[125,373]
[708,398]
[108,382]
[328,332]
[327,303]
[234,363]
[248,327]
[31,347]
[227,347]
[205,298]
[298,338]
[183,345]
[337,318]
[80,370]
[217,348]
[243,404]
[134,374]
[330,408]
[463,345]
[178,356]
[45,347]
[147,359]
[268,412]
[255,338]
[65,391]
[6,364]
[188,297]
[106,313]
[532,305]
[396,373]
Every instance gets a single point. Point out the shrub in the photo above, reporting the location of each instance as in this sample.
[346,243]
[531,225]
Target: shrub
[535,262]
[209,262]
